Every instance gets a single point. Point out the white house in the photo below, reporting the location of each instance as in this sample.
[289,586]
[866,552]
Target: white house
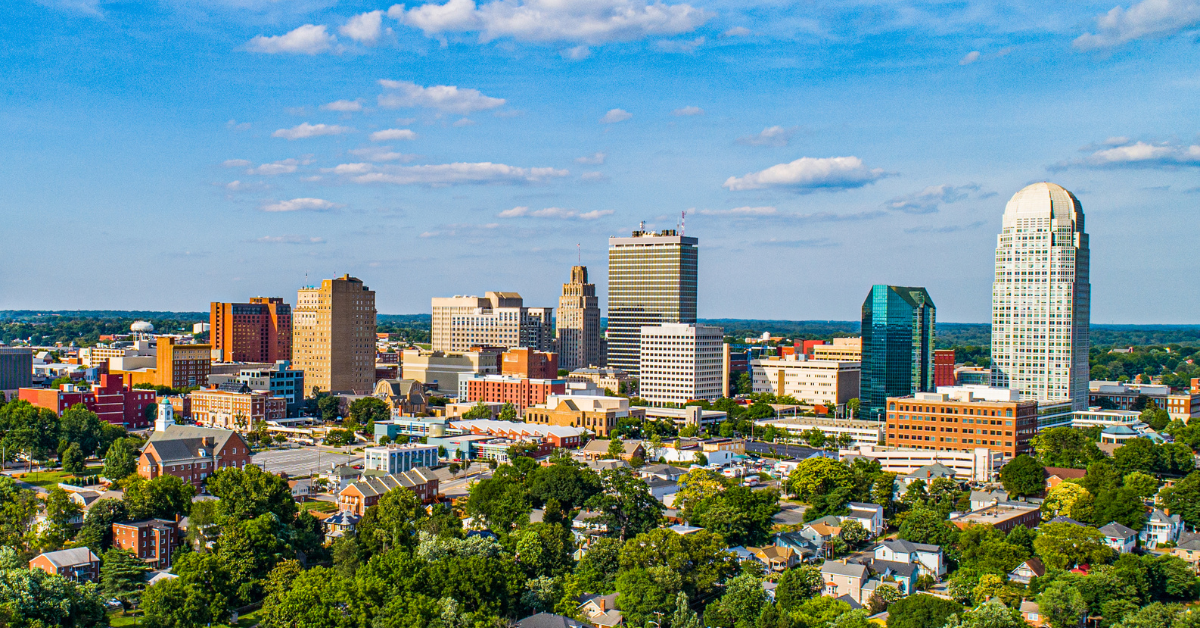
[1119,537]
[869,515]
[927,558]
[1160,528]
[983,499]
[1028,570]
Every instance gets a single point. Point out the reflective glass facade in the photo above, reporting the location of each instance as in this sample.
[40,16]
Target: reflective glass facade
[897,346]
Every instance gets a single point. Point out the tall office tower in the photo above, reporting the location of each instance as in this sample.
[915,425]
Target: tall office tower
[499,319]
[680,363]
[897,346]
[578,323]
[258,331]
[1041,298]
[333,338]
[651,281]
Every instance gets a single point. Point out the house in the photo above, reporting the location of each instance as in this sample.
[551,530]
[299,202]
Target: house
[606,465]
[682,529]
[340,476]
[776,558]
[159,577]
[1058,475]
[84,499]
[1160,529]
[78,564]
[403,396]
[597,449]
[1119,537]
[548,620]
[807,544]
[301,488]
[928,474]
[192,453]
[152,540]
[1028,570]
[339,524]
[663,490]
[363,494]
[822,533]
[600,610]
[903,575]
[742,554]
[983,499]
[927,558]
[661,472]
[869,515]
[844,578]
[1188,549]
[1032,614]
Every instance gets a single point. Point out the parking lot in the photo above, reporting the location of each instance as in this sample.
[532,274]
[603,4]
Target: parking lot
[303,461]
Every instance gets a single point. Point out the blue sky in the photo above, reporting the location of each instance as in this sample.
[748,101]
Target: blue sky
[159,155]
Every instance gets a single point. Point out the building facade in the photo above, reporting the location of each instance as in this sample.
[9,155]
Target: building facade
[1041,297]
[366,492]
[681,362]
[78,564]
[963,419]
[499,319]
[811,382]
[181,366]
[840,350]
[610,379]
[111,400]
[232,410]
[943,367]
[651,281]
[192,453]
[152,540]
[280,380]
[897,346]
[399,458]
[446,369]
[531,363]
[16,368]
[595,413]
[521,392]
[578,323]
[333,336]
[258,331]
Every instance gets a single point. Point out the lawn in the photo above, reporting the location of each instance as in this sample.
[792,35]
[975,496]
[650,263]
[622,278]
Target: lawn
[51,479]
[117,620]
[318,506]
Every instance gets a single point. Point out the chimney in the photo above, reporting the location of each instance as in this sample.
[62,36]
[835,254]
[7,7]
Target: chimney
[602,603]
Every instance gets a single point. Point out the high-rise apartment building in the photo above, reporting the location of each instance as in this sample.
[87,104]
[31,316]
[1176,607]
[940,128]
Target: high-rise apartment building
[651,281]
[181,366]
[897,346]
[681,362]
[333,336]
[258,331]
[578,323]
[499,319]
[1041,298]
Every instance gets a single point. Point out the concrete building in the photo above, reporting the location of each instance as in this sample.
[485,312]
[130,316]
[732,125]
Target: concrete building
[16,368]
[399,458]
[681,362]
[1184,406]
[840,350]
[898,327]
[111,400]
[401,428]
[530,363]
[651,281]
[1004,516]
[613,380]
[333,336]
[258,331]
[977,465]
[689,415]
[135,354]
[280,380]
[1041,297]
[963,419]
[499,319]
[811,382]
[596,413]
[180,366]
[192,453]
[445,370]
[861,432]
[578,323]
[233,410]
[521,392]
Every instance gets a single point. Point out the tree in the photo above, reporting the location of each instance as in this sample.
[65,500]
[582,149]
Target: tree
[926,526]
[120,460]
[18,511]
[330,407]
[647,592]
[122,576]
[1023,476]
[1183,499]
[508,412]
[29,430]
[33,598]
[625,504]
[392,522]
[61,513]
[177,603]
[991,614]
[250,492]
[566,481]
[817,476]
[1158,616]
[501,501]
[160,498]
[250,550]
[73,459]
[1139,454]
[82,427]
[616,449]
[853,405]
[479,411]
[697,485]
[920,611]
[1066,447]
[883,597]
[854,534]
[96,533]
[1062,604]
[744,598]
[367,411]
[798,585]
[1068,500]
[1064,545]
[1122,505]
[684,616]
[700,558]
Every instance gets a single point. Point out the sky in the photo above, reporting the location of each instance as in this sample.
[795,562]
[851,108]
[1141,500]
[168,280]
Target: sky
[159,155]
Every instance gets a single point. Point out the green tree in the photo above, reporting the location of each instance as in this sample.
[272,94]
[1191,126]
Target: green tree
[991,614]
[367,411]
[61,514]
[1066,447]
[853,405]
[797,586]
[501,501]
[920,611]
[700,558]
[1062,604]
[744,598]
[479,411]
[120,460]
[73,459]
[30,430]
[177,603]
[1121,505]
[96,533]
[250,549]
[1023,476]
[1064,545]
[392,522]
[18,511]
[616,449]
[625,504]
[1183,498]
[817,476]
[854,534]
[82,427]
[647,592]
[330,407]
[508,412]
[926,526]
[35,599]
[1068,500]
[567,481]
[162,497]
[122,576]
[250,492]
[684,616]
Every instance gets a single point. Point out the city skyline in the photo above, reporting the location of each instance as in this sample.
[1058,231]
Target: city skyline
[812,146]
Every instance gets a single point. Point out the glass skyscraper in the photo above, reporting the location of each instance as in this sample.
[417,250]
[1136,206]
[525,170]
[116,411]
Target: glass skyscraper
[651,281]
[897,346]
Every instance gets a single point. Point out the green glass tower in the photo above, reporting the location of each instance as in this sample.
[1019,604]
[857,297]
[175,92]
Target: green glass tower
[897,346]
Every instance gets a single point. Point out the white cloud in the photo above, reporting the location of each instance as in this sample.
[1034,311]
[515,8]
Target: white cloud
[285,166]
[554,212]
[348,169]
[309,39]
[931,198]
[582,21]
[381,153]
[342,105]
[809,173]
[447,98]
[675,45]
[969,58]
[289,239]
[237,126]
[687,111]
[615,115]
[304,130]
[234,186]
[1148,19]
[300,204]
[594,159]
[461,122]
[594,214]
[739,211]
[459,173]
[593,177]
[770,136]
[578,53]
[364,28]
[1126,154]
[738,31]
[236,163]
[393,134]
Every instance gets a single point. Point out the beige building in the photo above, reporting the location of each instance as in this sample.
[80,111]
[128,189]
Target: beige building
[680,363]
[239,411]
[447,369]
[578,323]
[604,378]
[842,350]
[499,319]
[596,413]
[811,382]
[333,336]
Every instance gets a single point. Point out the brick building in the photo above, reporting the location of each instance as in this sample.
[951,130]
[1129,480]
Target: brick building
[520,391]
[943,367]
[110,399]
[364,493]
[192,453]
[236,410]
[558,436]
[78,564]
[333,336]
[152,540]
[529,363]
[258,331]
[956,419]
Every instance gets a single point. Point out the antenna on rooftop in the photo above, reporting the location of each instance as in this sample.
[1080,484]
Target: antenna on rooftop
[642,226]
[683,222]
[579,254]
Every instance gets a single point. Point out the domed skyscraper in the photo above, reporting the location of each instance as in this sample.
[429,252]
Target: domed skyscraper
[1041,297]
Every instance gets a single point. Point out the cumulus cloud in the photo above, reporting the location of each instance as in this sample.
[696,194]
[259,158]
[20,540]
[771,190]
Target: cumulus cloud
[381,153]
[285,166]
[770,136]
[1123,153]
[342,105]
[554,212]
[740,211]
[357,168]
[737,31]
[931,198]
[582,21]
[236,163]
[1148,19]
[969,58]
[615,115]
[447,98]
[365,28]
[305,129]
[594,159]
[458,173]
[593,177]
[300,204]
[809,173]
[309,39]
[289,239]
[576,53]
[393,134]
[687,111]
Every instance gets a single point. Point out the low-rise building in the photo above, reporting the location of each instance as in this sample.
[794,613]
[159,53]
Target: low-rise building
[776,558]
[192,453]
[402,428]
[613,380]
[860,433]
[236,410]
[1119,537]
[976,465]
[521,392]
[111,400]
[364,493]
[1003,516]
[689,415]
[1027,571]
[404,397]
[154,541]
[596,413]
[556,436]
[811,382]
[446,369]
[844,578]
[928,558]
[870,516]
[1183,406]
[840,350]
[598,449]
[963,418]
[1160,528]
[394,458]
[78,564]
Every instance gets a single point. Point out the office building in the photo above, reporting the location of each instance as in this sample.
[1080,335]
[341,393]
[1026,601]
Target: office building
[16,368]
[525,362]
[943,367]
[445,370]
[499,319]
[280,380]
[897,346]
[963,418]
[681,362]
[181,366]
[239,410]
[966,465]
[521,392]
[595,413]
[811,382]
[333,336]
[393,458]
[849,431]
[651,281]
[578,323]
[1041,297]
[840,350]
[613,380]
[258,331]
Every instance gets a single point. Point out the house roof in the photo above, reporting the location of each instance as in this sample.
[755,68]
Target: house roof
[773,552]
[600,445]
[71,557]
[854,605]
[1035,565]
[828,520]
[1189,541]
[371,486]
[344,518]
[1065,473]
[184,442]
[548,620]
[1062,519]
[1115,530]
[662,469]
[825,530]
[1158,516]
[1029,607]
[932,472]
[397,387]
[907,547]
[900,569]
[987,496]
[870,508]
[603,465]
[840,568]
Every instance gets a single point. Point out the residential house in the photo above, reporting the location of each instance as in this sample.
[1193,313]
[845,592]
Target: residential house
[1058,475]
[301,488]
[1188,549]
[928,558]
[78,564]
[661,472]
[983,499]
[663,490]
[683,529]
[363,494]
[84,499]
[597,449]
[600,610]
[1160,529]
[548,620]
[1028,570]
[805,543]
[1032,614]
[1119,537]
[928,474]
[869,515]
[902,575]
[152,540]
[606,465]
[340,476]
[340,524]
[844,578]
[776,558]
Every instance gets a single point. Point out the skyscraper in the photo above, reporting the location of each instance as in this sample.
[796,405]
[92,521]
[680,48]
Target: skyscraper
[897,346]
[1041,298]
[578,323]
[499,319]
[258,331]
[333,338]
[651,281]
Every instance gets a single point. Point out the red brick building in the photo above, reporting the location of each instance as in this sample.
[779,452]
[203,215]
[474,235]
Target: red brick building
[258,331]
[521,392]
[152,540]
[364,493]
[110,399]
[235,410]
[943,367]
[192,453]
[78,564]
[530,363]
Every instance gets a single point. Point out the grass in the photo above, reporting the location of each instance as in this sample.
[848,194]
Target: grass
[318,506]
[51,479]
[118,620]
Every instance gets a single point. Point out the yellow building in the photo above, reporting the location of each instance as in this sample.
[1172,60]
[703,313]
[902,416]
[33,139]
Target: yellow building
[333,336]
[842,350]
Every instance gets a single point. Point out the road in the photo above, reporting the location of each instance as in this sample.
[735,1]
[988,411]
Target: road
[794,451]
[302,461]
